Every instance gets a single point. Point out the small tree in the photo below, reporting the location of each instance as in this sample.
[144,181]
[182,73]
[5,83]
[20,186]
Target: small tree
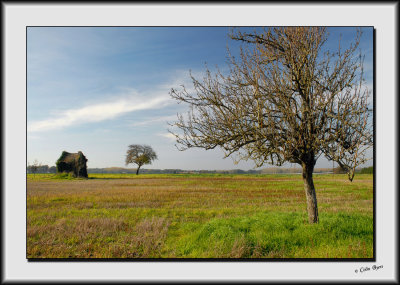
[34,167]
[140,155]
[284,100]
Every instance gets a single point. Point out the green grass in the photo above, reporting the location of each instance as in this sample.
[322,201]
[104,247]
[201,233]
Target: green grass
[276,235]
[197,216]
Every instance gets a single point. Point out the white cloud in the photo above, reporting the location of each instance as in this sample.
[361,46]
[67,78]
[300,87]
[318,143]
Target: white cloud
[156,120]
[168,136]
[156,98]
[99,112]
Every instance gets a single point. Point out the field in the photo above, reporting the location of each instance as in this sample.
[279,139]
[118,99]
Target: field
[197,216]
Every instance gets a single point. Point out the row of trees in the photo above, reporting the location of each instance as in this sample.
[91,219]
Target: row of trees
[37,167]
[337,170]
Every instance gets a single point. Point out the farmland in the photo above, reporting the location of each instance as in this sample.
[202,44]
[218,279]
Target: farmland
[197,216]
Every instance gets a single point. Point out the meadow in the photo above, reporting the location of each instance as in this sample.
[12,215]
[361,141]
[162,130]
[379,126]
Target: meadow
[197,216]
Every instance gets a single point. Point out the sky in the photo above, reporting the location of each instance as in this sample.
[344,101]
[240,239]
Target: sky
[100,89]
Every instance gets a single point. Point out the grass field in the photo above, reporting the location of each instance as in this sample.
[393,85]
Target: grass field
[197,216]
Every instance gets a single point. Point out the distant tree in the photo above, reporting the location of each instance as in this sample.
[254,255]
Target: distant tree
[367,170]
[140,155]
[34,167]
[339,170]
[284,100]
[52,169]
[43,169]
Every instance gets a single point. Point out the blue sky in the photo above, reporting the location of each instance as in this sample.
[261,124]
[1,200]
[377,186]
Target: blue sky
[100,89]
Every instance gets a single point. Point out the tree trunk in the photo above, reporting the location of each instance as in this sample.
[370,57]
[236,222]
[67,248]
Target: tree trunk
[137,170]
[312,207]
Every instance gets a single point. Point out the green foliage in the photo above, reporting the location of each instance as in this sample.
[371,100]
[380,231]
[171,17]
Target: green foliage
[74,163]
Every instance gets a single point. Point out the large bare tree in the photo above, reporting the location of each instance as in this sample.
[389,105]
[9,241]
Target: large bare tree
[285,99]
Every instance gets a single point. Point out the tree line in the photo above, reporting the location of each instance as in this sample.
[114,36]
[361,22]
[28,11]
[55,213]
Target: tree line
[41,169]
[270,170]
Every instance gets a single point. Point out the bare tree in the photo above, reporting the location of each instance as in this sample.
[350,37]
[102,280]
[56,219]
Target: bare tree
[140,155]
[284,100]
[34,167]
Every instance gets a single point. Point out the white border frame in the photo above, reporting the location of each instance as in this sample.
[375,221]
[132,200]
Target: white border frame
[18,16]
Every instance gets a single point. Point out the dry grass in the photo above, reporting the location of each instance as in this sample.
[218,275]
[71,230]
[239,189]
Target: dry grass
[144,217]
